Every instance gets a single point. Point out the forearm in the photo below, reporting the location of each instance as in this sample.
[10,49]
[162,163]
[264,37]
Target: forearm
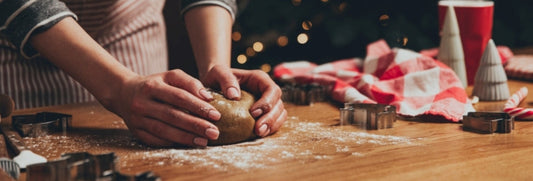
[209,29]
[71,49]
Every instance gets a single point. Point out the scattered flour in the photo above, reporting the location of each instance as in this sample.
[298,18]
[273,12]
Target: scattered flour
[299,140]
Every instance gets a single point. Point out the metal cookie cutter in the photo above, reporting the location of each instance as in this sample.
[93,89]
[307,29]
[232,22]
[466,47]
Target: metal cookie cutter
[84,166]
[40,124]
[304,94]
[488,122]
[368,116]
[7,165]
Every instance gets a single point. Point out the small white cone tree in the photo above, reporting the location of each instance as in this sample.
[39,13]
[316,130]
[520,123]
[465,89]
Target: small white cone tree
[490,83]
[451,49]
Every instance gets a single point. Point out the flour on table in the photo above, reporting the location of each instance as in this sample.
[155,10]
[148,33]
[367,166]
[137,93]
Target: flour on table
[298,140]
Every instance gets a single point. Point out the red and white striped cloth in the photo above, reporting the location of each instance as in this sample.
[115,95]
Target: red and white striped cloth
[511,106]
[133,31]
[416,84]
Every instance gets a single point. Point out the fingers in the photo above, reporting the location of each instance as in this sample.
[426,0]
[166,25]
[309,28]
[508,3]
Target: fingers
[180,119]
[223,77]
[178,78]
[171,107]
[268,99]
[271,122]
[154,132]
[164,111]
[269,107]
[260,82]
[279,122]
[254,80]
[185,97]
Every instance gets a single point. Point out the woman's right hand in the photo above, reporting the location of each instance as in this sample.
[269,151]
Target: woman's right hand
[160,109]
[167,108]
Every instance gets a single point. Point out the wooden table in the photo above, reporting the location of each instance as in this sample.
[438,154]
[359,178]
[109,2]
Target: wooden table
[311,146]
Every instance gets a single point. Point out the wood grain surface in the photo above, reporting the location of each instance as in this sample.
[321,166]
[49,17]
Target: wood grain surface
[310,146]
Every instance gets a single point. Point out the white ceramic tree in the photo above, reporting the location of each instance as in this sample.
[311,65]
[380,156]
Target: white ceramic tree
[451,49]
[490,83]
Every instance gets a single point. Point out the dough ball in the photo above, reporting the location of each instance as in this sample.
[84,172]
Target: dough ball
[236,124]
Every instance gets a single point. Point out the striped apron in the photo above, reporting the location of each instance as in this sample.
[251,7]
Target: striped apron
[133,31]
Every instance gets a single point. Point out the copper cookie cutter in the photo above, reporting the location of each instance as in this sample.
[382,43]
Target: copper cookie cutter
[304,94]
[41,124]
[488,122]
[368,116]
[84,166]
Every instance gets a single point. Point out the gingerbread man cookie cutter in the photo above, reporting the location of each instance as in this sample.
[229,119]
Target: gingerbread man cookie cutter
[41,124]
[84,166]
[488,122]
[368,116]
[304,94]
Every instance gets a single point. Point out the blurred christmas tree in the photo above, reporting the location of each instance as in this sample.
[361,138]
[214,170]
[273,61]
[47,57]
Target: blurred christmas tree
[267,33]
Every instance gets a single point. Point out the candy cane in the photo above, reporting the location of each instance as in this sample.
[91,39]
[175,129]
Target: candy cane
[511,106]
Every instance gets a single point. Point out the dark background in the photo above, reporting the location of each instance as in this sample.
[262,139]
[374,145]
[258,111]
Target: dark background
[339,29]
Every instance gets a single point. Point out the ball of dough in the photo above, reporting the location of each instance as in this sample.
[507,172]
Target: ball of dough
[236,124]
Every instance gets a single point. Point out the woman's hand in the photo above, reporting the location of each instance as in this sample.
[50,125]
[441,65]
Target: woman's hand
[167,108]
[268,110]
[161,109]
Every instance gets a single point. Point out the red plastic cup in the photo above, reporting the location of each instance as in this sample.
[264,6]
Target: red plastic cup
[475,26]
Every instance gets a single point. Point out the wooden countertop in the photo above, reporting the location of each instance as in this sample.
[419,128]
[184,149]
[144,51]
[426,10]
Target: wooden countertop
[311,146]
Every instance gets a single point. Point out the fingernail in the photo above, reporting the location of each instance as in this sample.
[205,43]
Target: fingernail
[263,130]
[200,141]
[257,113]
[212,133]
[214,115]
[232,93]
[206,94]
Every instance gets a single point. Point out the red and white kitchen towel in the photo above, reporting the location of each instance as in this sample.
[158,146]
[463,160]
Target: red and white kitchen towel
[416,84]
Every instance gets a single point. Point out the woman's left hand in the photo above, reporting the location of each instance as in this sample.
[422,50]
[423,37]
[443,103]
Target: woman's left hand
[268,110]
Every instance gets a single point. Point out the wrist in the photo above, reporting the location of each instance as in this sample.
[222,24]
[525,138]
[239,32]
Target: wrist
[111,94]
[203,70]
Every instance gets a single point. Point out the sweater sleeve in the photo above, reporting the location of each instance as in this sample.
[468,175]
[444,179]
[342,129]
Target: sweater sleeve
[230,5]
[20,19]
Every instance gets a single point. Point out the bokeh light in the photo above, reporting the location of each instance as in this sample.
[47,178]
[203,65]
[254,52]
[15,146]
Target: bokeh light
[306,25]
[242,59]
[342,6]
[283,41]
[258,46]
[250,52]
[236,36]
[296,2]
[266,68]
[302,38]
[384,19]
